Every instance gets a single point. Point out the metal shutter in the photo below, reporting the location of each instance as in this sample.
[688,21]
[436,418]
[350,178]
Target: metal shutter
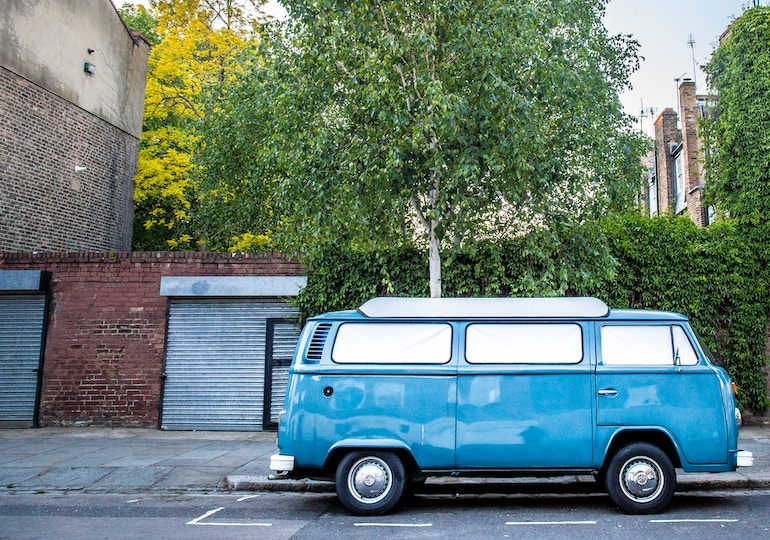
[22,319]
[215,363]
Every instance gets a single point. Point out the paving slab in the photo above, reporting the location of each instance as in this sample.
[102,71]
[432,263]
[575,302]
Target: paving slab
[126,459]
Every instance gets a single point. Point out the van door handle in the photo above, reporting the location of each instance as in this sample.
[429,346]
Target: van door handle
[608,392]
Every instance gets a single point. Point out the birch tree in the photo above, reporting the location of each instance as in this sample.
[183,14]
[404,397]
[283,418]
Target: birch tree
[432,122]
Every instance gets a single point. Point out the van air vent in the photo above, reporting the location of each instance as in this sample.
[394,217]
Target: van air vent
[316,347]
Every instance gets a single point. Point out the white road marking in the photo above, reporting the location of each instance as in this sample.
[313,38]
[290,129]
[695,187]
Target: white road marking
[198,521]
[693,521]
[206,515]
[550,523]
[393,524]
[247,497]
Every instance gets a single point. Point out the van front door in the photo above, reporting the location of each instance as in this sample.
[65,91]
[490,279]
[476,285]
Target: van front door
[524,397]
[650,375]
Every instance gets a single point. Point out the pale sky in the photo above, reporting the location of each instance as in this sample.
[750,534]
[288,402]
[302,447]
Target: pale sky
[663,28]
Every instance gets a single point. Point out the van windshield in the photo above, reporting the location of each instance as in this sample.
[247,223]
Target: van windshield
[709,356]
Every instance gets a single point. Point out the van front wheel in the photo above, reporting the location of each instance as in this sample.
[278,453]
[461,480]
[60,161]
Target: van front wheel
[370,483]
[641,479]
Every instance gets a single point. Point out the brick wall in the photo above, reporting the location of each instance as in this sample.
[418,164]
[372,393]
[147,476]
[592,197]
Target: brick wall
[47,205]
[666,132]
[106,329]
[691,139]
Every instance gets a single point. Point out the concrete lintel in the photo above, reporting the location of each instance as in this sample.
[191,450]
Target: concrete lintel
[223,286]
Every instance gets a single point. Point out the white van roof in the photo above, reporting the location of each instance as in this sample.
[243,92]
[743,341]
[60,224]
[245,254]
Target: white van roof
[454,308]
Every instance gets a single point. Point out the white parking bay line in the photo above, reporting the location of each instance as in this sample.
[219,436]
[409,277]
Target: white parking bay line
[393,524]
[199,521]
[693,521]
[550,523]
[210,513]
[247,497]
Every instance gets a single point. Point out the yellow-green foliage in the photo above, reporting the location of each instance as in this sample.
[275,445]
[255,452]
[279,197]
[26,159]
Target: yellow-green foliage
[196,42]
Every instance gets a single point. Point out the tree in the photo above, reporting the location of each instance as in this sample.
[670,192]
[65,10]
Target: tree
[194,41]
[738,134]
[139,19]
[437,122]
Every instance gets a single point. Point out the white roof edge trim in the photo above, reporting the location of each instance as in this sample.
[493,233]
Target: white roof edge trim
[461,308]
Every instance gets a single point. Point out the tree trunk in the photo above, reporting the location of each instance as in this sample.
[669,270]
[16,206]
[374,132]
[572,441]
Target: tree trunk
[435,263]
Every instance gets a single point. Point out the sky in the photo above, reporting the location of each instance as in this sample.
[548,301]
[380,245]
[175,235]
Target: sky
[663,28]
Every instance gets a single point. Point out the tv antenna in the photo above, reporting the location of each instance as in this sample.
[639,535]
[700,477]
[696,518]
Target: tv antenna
[644,113]
[678,104]
[691,43]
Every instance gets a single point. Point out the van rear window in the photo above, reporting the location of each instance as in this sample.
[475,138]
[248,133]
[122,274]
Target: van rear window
[524,344]
[393,343]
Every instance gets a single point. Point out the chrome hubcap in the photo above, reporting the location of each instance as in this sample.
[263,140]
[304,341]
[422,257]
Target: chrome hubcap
[369,480]
[641,479]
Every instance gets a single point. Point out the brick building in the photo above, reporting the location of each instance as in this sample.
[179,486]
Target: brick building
[171,340]
[676,179]
[72,80]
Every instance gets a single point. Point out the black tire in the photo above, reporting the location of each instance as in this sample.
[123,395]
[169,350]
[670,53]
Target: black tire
[641,479]
[369,483]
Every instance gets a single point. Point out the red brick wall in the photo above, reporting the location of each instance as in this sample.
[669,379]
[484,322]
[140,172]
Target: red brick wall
[666,133]
[693,153]
[106,329]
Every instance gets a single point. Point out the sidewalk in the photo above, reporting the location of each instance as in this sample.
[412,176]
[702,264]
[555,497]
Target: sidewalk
[128,460]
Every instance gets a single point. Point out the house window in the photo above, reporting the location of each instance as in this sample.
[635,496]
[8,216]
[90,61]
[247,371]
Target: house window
[679,186]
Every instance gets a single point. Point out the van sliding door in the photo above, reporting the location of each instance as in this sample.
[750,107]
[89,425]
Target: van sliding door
[524,397]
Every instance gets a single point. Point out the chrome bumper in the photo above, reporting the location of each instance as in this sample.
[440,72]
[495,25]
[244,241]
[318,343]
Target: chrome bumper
[281,464]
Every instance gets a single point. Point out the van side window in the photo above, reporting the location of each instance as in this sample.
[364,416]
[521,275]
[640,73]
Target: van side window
[524,344]
[640,345]
[393,343]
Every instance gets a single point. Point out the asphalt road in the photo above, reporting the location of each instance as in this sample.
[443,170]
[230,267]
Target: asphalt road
[727,515]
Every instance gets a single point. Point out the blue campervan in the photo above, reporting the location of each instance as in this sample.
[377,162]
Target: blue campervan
[405,388]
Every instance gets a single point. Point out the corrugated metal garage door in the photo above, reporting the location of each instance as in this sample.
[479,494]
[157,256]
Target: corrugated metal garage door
[22,319]
[216,361]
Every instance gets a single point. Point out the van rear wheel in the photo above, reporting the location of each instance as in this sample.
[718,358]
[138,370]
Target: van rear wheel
[641,479]
[369,483]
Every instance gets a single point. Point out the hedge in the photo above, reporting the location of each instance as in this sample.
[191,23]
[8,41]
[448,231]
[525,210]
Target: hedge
[711,274]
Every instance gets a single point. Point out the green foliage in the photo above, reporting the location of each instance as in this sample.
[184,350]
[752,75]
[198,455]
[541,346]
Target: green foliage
[345,278]
[138,19]
[711,274]
[738,164]
[545,263]
[380,123]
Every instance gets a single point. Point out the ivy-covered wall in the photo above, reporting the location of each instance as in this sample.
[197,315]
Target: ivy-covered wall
[710,274]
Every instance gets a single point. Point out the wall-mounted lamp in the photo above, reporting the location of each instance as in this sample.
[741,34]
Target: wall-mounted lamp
[89,68]
[80,168]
